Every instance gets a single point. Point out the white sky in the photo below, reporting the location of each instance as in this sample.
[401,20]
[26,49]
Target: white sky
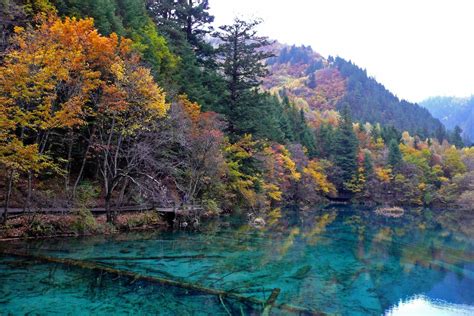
[416,48]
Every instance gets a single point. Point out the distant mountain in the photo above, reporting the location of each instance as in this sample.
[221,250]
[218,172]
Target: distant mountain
[316,83]
[453,111]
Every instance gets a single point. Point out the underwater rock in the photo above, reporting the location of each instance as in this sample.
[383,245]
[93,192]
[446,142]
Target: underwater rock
[302,272]
[390,211]
[258,222]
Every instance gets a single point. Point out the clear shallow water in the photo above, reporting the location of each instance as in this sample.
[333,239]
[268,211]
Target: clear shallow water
[336,261]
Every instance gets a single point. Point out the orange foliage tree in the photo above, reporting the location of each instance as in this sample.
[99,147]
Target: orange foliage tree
[202,150]
[62,75]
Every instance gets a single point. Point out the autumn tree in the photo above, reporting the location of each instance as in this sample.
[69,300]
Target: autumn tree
[128,18]
[244,173]
[45,86]
[203,160]
[63,75]
[127,106]
[452,164]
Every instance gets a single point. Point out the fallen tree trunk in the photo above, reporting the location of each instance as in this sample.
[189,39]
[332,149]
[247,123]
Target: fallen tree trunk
[153,258]
[184,285]
[270,302]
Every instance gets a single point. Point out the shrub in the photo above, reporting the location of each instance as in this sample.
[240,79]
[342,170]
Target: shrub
[210,207]
[84,222]
[39,227]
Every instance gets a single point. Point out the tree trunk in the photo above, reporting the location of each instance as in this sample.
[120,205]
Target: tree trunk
[233,85]
[27,205]
[68,165]
[84,160]
[122,192]
[189,22]
[7,196]
[107,208]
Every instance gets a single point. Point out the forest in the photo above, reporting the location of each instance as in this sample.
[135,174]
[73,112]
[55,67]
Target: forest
[127,102]
[455,113]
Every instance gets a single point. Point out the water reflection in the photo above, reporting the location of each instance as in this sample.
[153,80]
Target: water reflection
[338,260]
[422,305]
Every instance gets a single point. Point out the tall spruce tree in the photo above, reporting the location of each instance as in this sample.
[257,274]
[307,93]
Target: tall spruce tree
[242,54]
[456,138]
[304,135]
[345,148]
[325,141]
[195,19]
[368,165]
[394,154]
[185,23]
[188,20]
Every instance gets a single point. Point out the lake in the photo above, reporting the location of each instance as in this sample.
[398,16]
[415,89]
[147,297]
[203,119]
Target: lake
[336,261]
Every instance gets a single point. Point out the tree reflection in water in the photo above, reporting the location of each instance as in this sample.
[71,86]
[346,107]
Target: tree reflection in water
[336,260]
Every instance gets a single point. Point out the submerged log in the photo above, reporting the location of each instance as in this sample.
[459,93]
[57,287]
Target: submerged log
[270,302]
[87,265]
[154,258]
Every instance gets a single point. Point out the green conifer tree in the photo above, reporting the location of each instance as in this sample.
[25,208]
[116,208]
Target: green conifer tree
[345,148]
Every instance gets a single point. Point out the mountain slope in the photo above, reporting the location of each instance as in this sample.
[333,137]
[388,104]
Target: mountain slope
[453,111]
[317,84]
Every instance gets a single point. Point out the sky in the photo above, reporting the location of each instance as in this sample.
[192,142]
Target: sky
[415,48]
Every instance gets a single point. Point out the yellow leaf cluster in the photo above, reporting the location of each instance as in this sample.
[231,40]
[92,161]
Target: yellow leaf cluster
[383,174]
[193,109]
[316,172]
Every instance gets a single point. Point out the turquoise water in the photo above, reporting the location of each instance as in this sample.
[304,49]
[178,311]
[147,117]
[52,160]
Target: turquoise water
[334,261]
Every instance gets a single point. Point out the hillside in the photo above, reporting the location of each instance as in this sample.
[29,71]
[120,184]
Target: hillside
[317,84]
[453,111]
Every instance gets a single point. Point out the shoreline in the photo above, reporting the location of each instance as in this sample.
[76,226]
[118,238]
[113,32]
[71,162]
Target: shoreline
[47,226]
[50,226]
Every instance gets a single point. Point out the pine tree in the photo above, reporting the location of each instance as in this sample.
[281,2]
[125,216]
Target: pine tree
[325,141]
[184,23]
[285,120]
[456,138]
[242,55]
[190,16]
[394,154]
[305,135]
[312,81]
[345,148]
[368,165]
[440,133]
[194,17]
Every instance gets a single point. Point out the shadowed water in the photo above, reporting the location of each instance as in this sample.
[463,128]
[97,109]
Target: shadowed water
[337,261]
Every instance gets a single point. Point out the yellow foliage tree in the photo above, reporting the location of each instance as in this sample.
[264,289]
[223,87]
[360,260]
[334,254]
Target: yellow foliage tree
[452,163]
[383,174]
[316,172]
[241,184]
[61,73]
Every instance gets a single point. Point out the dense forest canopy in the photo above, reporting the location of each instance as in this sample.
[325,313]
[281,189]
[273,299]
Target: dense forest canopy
[320,84]
[454,113]
[127,102]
